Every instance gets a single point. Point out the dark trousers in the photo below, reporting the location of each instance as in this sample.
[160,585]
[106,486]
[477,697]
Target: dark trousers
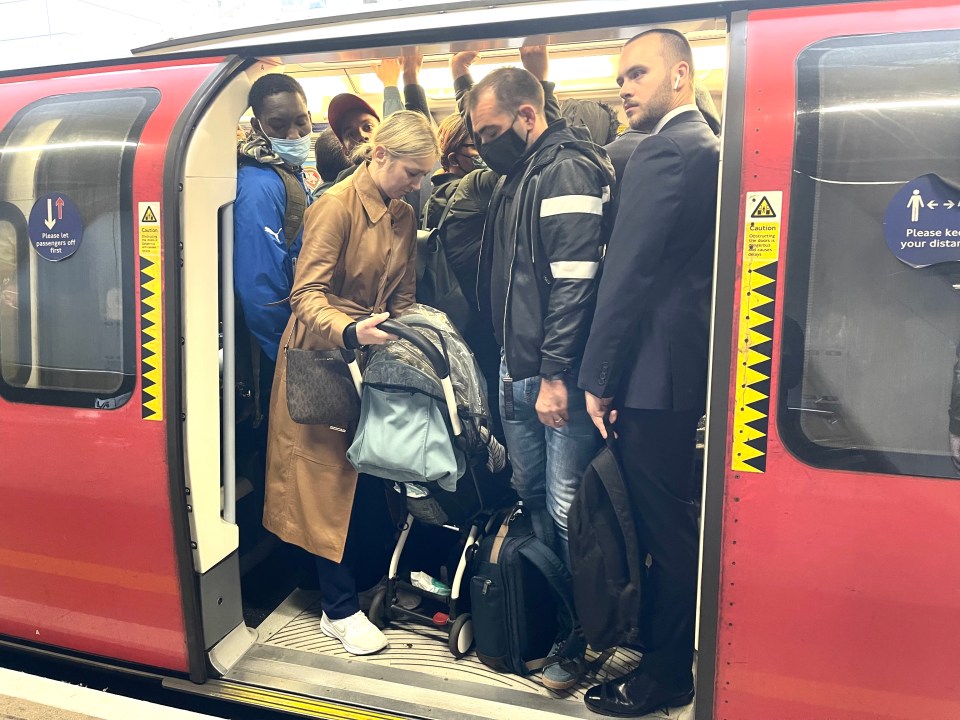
[365,556]
[658,450]
[337,589]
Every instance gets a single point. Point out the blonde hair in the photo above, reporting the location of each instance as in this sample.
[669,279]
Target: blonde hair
[405,134]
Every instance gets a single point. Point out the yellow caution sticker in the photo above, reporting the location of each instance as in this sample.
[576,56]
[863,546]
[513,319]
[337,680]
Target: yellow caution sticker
[151,311]
[758,300]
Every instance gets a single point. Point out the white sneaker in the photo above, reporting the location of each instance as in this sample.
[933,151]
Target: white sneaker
[358,635]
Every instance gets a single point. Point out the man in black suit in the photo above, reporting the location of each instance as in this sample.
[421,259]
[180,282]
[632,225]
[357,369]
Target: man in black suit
[646,359]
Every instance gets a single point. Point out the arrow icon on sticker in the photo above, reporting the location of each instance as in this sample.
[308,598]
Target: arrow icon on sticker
[933,204]
[50,222]
[948,204]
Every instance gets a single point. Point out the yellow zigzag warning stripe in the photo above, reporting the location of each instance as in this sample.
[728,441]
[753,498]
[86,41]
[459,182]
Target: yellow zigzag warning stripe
[758,295]
[151,316]
[754,350]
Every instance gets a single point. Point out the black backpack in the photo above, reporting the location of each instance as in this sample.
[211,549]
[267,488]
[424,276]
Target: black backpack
[605,560]
[437,285]
[518,590]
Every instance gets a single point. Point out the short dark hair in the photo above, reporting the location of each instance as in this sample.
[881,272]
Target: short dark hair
[676,47]
[329,154]
[272,84]
[511,88]
[452,134]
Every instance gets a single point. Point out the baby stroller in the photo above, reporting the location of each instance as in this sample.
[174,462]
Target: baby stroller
[425,426]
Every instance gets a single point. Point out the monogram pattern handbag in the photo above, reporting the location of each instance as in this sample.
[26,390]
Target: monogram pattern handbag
[320,390]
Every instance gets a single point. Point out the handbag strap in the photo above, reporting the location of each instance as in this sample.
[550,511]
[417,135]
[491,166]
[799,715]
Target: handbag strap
[337,269]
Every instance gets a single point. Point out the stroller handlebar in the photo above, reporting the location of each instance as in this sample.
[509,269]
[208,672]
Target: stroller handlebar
[439,363]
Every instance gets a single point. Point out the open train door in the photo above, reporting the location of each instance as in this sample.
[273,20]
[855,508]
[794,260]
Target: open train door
[95,552]
[831,579]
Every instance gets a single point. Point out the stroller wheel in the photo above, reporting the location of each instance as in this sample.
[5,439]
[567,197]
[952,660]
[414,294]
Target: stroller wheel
[378,613]
[461,636]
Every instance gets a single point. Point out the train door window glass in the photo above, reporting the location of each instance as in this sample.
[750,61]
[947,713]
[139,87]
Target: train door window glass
[869,343]
[67,328]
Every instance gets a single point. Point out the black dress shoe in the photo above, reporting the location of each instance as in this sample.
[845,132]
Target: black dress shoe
[635,694]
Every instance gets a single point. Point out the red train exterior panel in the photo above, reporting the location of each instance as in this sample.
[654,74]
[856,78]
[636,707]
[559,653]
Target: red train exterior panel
[87,556]
[828,609]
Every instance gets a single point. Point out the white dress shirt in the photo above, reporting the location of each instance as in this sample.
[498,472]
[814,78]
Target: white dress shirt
[672,114]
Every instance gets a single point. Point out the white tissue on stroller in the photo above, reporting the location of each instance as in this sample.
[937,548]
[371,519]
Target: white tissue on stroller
[423,581]
[413,490]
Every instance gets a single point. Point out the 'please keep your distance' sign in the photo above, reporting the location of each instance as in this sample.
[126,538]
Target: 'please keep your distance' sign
[922,222]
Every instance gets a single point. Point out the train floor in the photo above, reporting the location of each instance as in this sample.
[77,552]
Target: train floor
[416,676]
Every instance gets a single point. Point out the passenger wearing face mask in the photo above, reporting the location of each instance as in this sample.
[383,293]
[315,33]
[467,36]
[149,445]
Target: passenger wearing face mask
[268,215]
[270,169]
[356,269]
[464,184]
[464,180]
[547,224]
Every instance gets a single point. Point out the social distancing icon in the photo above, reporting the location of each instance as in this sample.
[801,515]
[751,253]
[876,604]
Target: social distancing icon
[149,216]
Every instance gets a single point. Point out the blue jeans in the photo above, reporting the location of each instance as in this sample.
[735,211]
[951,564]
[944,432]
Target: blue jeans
[548,462]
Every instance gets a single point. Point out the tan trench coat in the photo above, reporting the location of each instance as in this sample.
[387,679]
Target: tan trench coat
[310,484]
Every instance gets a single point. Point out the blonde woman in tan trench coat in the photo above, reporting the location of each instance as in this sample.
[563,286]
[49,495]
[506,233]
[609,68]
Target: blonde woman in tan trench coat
[358,259]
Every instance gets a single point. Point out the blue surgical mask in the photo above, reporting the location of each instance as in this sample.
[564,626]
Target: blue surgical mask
[293,152]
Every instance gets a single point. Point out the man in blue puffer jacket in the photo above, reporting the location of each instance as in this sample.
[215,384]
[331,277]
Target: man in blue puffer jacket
[268,216]
[268,221]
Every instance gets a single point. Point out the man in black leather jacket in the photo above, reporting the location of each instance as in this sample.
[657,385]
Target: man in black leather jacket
[546,227]
[465,187]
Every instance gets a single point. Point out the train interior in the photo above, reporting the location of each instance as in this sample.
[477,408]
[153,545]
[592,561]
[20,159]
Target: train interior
[284,648]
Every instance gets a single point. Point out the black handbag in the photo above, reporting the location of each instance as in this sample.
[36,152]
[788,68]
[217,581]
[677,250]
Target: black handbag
[320,390]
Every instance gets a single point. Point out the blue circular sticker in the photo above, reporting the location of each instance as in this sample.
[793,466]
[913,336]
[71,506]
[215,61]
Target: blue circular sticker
[922,222]
[55,227]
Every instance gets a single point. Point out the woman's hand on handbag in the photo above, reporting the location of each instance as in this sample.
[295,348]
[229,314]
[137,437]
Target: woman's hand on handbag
[369,334]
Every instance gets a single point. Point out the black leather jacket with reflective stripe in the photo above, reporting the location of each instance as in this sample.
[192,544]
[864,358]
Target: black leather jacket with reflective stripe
[561,216]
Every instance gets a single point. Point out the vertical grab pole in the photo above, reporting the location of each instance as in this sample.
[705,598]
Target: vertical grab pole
[228,362]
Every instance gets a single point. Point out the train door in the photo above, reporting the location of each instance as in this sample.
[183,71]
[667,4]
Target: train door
[94,539]
[830,585]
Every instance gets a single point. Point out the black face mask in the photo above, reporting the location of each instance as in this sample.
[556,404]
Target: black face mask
[503,152]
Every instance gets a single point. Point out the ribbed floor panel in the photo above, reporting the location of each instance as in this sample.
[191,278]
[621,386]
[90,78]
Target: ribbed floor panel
[415,649]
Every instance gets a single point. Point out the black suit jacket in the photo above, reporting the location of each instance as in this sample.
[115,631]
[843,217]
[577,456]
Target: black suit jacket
[622,149]
[649,337]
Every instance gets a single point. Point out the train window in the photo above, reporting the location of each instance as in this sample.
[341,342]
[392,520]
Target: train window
[67,327]
[868,342]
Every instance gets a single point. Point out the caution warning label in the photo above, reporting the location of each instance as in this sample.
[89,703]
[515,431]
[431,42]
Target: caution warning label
[763,209]
[151,312]
[758,298]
